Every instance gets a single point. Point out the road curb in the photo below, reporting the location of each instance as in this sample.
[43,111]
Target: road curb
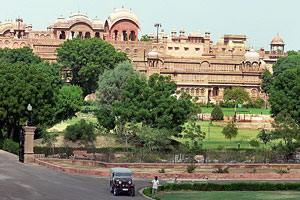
[11,154]
[141,191]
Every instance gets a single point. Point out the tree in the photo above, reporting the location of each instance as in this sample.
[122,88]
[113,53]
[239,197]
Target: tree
[155,139]
[230,131]
[153,103]
[145,38]
[284,94]
[284,63]
[111,83]
[24,55]
[287,130]
[87,59]
[69,102]
[20,85]
[265,137]
[192,131]
[25,79]
[237,95]
[217,113]
[267,81]
[292,52]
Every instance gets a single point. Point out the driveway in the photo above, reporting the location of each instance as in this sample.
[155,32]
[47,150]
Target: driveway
[20,181]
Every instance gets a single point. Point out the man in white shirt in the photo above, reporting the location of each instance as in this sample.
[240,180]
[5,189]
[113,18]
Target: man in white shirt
[155,183]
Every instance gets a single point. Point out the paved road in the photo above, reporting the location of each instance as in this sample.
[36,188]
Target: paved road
[32,182]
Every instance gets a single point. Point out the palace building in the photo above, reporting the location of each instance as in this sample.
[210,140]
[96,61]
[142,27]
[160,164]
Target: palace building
[198,66]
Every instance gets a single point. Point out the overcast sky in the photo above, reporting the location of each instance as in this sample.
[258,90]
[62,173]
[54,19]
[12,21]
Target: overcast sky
[260,20]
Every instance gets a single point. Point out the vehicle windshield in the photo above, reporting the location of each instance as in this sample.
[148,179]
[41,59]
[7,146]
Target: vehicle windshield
[123,174]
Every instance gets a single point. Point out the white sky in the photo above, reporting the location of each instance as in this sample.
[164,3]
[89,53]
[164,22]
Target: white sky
[260,20]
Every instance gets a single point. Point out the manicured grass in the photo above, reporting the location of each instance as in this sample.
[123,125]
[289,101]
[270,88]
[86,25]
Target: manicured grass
[214,136]
[287,195]
[230,111]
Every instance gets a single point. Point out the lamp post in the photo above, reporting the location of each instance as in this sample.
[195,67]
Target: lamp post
[157,25]
[29,108]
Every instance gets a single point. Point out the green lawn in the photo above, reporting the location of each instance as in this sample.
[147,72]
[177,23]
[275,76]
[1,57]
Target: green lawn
[214,136]
[230,111]
[236,195]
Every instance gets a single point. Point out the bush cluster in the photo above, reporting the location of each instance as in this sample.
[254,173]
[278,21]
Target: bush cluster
[230,187]
[11,146]
[191,168]
[77,131]
[217,113]
[148,192]
[219,170]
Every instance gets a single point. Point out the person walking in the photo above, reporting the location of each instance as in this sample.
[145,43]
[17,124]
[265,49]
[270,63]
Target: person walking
[155,184]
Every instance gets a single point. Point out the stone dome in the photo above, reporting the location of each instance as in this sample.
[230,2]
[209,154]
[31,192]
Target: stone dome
[120,14]
[60,20]
[153,53]
[277,40]
[79,16]
[251,55]
[97,21]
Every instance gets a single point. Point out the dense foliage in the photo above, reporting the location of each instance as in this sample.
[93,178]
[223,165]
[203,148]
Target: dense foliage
[284,63]
[237,95]
[81,130]
[26,79]
[284,94]
[217,113]
[153,103]
[230,131]
[87,59]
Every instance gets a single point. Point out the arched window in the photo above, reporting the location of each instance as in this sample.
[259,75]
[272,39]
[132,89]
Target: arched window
[62,35]
[87,35]
[97,35]
[132,36]
[125,36]
[116,33]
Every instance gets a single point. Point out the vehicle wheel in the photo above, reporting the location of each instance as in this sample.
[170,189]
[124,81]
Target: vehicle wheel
[133,192]
[111,189]
[115,192]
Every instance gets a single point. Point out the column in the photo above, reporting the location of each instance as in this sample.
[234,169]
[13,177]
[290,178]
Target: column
[28,144]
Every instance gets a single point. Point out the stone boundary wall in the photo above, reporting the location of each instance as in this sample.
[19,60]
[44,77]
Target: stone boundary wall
[47,163]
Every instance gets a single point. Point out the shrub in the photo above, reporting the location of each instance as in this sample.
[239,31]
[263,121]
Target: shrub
[11,146]
[254,143]
[219,170]
[282,170]
[221,147]
[148,192]
[162,171]
[259,103]
[191,168]
[217,113]
[80,130]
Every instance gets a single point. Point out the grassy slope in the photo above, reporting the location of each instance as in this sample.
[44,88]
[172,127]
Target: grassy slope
[290,195]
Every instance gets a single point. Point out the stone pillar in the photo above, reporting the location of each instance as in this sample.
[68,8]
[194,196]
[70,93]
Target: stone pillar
[28,144]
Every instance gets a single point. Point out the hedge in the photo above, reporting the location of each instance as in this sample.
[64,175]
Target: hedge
[11,146]
[225,187]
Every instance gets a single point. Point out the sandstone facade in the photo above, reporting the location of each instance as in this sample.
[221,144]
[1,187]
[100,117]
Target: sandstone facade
[198,66]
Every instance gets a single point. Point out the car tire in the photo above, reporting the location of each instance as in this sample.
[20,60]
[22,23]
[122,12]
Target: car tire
[111,189]
[115,192]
